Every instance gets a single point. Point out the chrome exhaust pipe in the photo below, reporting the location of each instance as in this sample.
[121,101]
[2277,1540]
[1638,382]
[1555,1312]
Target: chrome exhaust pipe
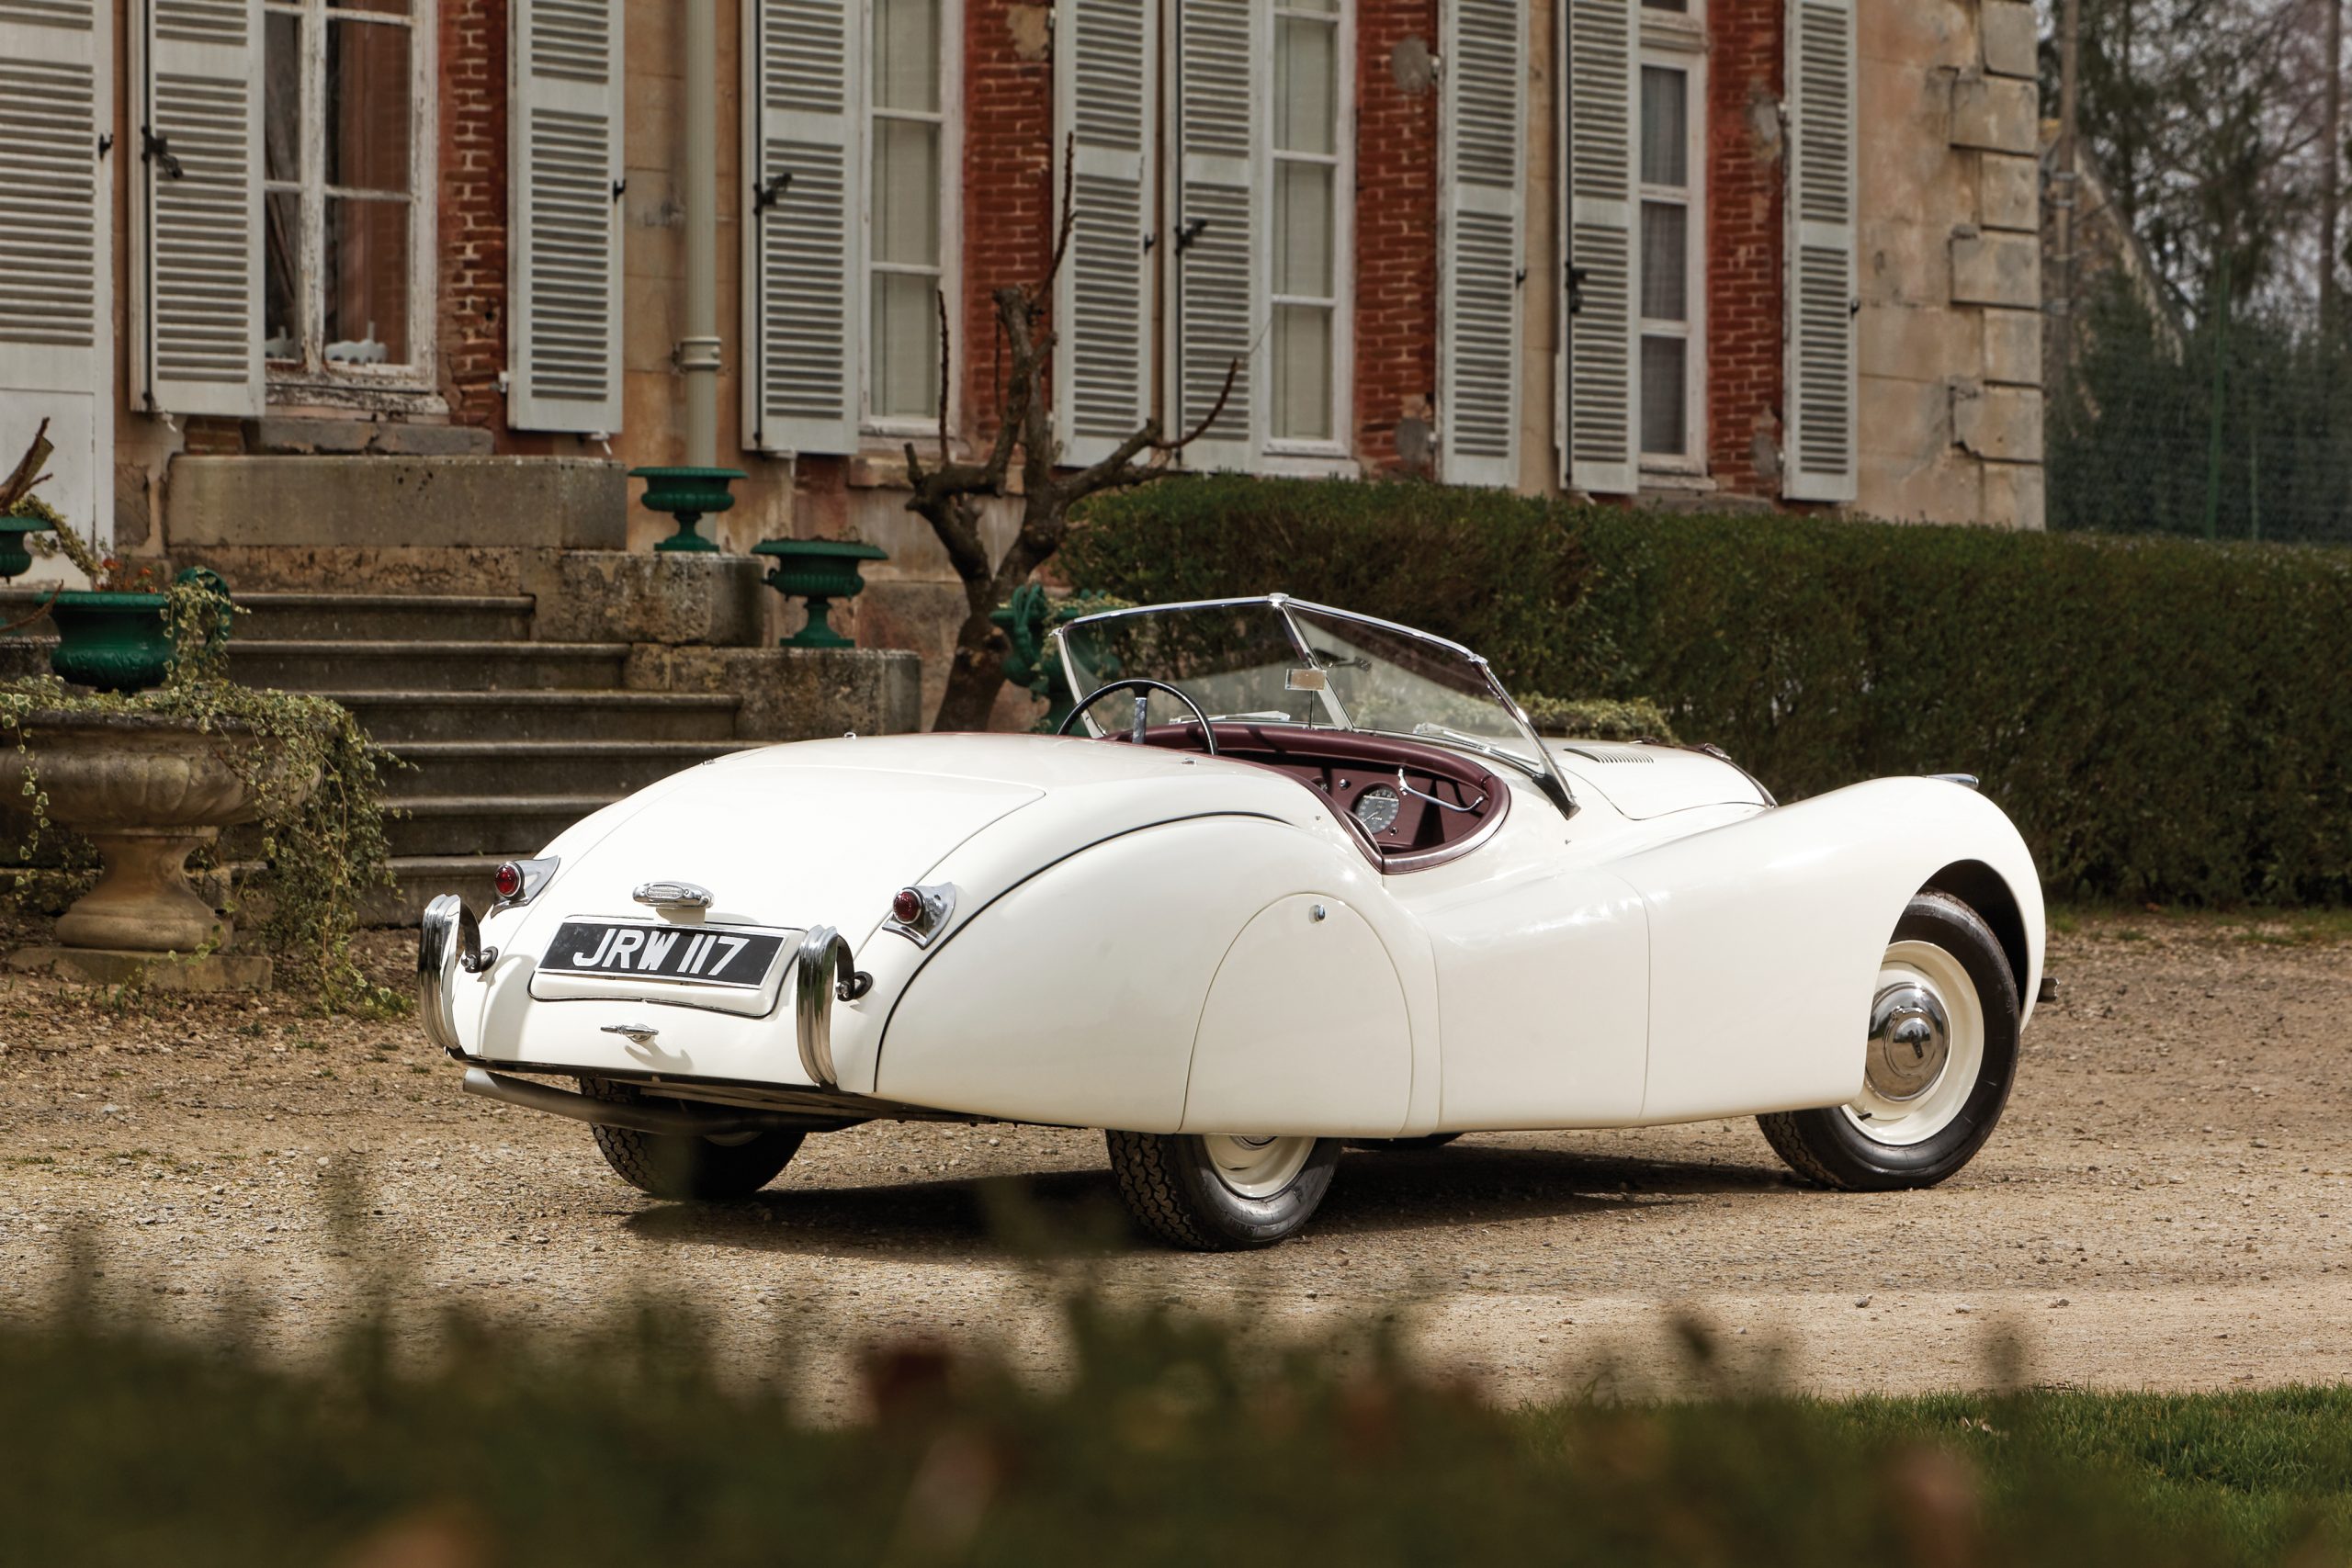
[669,1120]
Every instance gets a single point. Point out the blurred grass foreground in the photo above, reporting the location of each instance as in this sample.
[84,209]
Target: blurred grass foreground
[1169,1441]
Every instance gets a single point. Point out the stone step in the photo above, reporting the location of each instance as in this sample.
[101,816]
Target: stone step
[322,664]
[391,718]
[607,768]
[422,878]
[508,827]
[383,617]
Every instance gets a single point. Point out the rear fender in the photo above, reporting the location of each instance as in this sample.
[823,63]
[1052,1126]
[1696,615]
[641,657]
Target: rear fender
[1077,996]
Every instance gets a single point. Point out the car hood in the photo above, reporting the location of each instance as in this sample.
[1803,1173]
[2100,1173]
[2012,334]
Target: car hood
[1641,781]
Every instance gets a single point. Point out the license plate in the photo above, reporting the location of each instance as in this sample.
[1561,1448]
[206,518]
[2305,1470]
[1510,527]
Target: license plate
[708,955]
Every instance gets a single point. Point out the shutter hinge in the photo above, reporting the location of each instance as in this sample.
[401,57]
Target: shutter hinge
[155,149]
[1519,277]
[1577,276]
[768,191]
[106,142]
[1189,232]
[619,186]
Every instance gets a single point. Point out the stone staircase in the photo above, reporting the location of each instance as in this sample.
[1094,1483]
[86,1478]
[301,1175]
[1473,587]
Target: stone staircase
[507,741]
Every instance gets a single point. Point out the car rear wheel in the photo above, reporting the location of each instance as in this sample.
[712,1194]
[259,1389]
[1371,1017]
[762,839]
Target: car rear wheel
[1943,1052]
[1221,1192]
[678,1167]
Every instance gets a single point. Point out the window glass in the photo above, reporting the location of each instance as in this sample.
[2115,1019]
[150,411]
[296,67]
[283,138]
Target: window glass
[1304,130]
[340,141]
[1665,261]
[1665,396]
[904,243]
[1665,118]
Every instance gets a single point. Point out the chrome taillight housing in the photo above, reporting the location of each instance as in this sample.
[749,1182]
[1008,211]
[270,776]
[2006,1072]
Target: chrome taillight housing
[519,881]
[921,913]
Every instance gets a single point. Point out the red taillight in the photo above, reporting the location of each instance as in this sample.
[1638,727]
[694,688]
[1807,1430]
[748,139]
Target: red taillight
[508,880]
[907,908]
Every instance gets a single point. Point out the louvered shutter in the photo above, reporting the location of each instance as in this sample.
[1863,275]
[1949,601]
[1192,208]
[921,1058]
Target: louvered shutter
[1103,99]
[1603,76]
[1221,308]
[195,206]
[804,277]
[563,248]
[1820,462]
[56,337]
[1478,293]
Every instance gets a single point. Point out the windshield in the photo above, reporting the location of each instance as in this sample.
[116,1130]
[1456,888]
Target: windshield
[1277,661]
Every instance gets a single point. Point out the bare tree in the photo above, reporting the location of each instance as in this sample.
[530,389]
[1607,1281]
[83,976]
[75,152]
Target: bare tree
[949,494]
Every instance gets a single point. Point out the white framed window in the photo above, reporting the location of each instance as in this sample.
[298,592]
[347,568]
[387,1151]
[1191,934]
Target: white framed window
[347,148]
[1311,196]
[910,207]
[1670,248]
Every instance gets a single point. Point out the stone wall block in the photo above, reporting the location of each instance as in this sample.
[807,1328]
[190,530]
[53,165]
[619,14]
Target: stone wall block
[1995,114]
[2002,425]
[1997,269]
[2014,495]
[2008,194]
[406,503]
[2011,45]
[793,694]
[671,599]
[2013,347]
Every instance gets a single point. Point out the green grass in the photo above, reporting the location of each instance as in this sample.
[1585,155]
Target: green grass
[1169,1443]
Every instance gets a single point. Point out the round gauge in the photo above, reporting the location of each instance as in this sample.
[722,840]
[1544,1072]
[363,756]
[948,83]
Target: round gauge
[1376,808]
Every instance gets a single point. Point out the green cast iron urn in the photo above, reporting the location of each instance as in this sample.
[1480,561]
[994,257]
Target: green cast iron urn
[820,570]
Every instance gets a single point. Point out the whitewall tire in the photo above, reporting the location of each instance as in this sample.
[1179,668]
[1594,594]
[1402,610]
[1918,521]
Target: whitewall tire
[1221,1192]
[1941,1046]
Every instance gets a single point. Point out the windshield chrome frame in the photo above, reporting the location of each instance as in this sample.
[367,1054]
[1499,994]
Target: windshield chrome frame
[1543,770]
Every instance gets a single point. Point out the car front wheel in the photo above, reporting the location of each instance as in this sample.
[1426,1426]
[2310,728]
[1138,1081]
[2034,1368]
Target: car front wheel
[1220,1193]
[1943,1052]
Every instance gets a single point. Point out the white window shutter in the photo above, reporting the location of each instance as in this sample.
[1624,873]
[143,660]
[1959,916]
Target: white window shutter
[1479,269]
[563,305]
[1822,462]
[1220,285]
[1602,74]
[195,205]
[1103,96]
[56,316]
[803,268]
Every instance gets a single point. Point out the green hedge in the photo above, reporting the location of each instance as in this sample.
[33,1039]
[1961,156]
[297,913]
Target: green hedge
[2166,719]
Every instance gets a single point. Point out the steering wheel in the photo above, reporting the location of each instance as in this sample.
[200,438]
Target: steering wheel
[1143,690]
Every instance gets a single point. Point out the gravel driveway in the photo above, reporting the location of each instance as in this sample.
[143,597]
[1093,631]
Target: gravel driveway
[2166,1204]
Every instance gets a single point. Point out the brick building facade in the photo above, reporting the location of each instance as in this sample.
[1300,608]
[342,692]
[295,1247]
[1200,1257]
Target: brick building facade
[1748,252]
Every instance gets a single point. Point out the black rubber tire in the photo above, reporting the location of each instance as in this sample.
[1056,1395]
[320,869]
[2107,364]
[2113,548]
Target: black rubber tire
[1825,1146]
[668,1166]
[1174,1192]
[1427,1141]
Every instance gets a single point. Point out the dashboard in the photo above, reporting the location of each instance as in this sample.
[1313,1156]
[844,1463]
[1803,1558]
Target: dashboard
[1409,805]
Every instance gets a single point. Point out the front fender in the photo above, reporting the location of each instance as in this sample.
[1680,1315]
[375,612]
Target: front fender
[1766,937]
[1077,996]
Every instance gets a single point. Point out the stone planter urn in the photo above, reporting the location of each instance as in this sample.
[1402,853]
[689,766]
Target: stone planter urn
[146,790]
[820,570]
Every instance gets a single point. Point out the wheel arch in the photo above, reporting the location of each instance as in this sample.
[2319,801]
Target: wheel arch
[1987,892]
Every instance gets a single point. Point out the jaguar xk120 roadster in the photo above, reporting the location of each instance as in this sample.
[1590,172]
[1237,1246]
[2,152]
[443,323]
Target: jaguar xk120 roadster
[1299,880]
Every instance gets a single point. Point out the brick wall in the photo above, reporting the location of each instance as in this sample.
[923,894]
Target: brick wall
[1008,194]
[473,213]
[1396,302]
[1744,245]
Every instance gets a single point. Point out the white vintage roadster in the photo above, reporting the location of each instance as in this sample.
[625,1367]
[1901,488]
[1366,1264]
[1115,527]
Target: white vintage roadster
[1303,880]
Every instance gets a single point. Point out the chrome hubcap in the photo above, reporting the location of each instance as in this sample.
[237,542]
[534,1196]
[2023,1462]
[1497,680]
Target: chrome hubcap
[1926,1050]
[1910,1042]
[1257,1167]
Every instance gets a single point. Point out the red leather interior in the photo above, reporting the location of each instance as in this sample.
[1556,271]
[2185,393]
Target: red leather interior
[1338,767]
